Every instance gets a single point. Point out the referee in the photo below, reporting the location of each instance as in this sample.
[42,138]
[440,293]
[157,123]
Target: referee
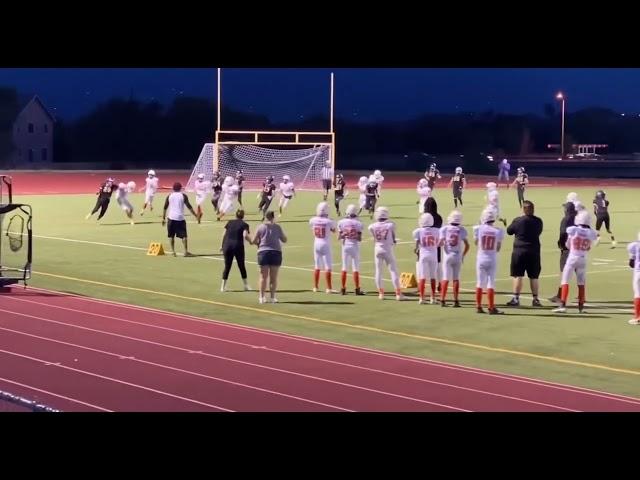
[327,178]
[236,232]
[526,253]
[177,225]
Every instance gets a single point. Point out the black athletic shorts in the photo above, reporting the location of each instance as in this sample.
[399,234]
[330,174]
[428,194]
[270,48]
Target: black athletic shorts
[177,228]
[326,184]
[270,258]
[525,260]
[600,219]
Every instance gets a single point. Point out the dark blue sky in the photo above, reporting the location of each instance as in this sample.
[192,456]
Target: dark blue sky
[361,93]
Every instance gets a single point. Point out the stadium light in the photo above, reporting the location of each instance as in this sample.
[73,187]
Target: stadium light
[560,97]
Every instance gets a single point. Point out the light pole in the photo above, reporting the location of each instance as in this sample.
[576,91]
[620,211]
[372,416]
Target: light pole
[560,96]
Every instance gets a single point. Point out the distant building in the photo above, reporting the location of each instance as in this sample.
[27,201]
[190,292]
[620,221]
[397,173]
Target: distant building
[33,134]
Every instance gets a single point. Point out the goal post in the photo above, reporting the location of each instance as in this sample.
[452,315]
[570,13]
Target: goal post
[301,155]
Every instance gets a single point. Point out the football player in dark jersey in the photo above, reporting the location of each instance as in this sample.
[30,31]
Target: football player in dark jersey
[104,193]
[216,191]
[601,211]
[240,182]
[338,190]
[266,195]
[371,195]
[458,182]
[521,181]
[432,175]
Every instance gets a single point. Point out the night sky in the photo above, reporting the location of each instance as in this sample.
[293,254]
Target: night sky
[361,94]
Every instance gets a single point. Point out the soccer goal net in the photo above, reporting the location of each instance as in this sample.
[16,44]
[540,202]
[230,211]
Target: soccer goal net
[301,160]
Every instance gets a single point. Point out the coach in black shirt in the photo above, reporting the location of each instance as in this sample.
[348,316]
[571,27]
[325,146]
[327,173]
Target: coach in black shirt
[526,253]
[236,232]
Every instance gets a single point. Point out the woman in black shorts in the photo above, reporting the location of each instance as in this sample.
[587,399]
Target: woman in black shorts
[236,232]
[268,238]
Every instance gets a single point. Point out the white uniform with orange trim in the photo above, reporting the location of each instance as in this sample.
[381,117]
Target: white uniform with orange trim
[151,187]
[452,238]
[427,266]
[351,230]
[384,237]
[488,238]
[634,254]
[579,241]
[322,228]
[202,189]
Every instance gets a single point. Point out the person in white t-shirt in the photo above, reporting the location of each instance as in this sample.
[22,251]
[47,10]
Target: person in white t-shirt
[350,235]
[488,238]
[322,227]
[384,237]
[580,238]
[174,212]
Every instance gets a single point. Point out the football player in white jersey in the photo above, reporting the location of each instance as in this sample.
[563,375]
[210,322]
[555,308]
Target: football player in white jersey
[384,237]
[151,186]
[230,191]
[423,192]
[362,188]
[377,175]
[488,238]
[322,227]
[202,188]
[634,262]
[452,236]
[122,197]
[580,238]
[350,235]
[287,192]
[427,238]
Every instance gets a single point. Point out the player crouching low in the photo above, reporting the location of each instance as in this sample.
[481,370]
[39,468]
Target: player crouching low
[426,237]
[350,235]
[579,240]
[488,239]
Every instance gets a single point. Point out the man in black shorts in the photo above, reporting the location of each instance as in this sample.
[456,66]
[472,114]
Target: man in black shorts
[106,190]
[177,225]
[601,211]
[526,253]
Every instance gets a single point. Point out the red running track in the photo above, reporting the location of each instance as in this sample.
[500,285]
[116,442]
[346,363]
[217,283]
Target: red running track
[81,354]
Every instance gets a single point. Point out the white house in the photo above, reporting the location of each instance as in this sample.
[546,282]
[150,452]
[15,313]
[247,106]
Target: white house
[33,134]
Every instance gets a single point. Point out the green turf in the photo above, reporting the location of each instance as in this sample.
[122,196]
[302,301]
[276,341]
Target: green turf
[602,337]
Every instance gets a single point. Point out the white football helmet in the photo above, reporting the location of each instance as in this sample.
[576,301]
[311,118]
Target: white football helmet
[488,215]
[151,173]
[382,213]
[425,220]
[286,178]
[122,186]
[372,178]
[228,181]
[363,179]
[352,211]
[455,217]
[583,218]
[322,210]
[201,176]
[572,197]
[579,206]
[131,186]
[377,173]
[492,186]
[458,169]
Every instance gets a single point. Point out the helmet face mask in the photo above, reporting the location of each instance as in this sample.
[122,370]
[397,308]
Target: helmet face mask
[455,217]
[458,170]
[382,214]
[352,211]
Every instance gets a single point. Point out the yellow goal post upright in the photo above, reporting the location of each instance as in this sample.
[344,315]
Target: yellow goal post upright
[301,155]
